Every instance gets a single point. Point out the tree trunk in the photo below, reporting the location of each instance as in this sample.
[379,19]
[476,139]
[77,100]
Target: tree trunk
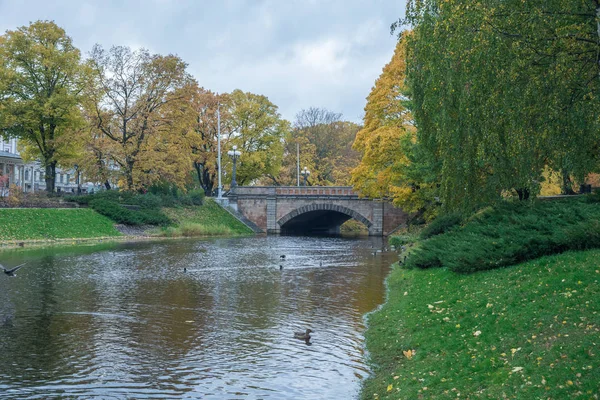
[204,178]
[523,194]
[50,176]
[567,184]
[129,174]
[598,19]
[107,185]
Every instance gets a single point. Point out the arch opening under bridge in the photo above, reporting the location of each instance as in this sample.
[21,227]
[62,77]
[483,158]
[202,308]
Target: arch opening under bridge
[318,218]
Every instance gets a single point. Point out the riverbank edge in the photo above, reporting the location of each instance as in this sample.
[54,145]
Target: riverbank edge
[126,234]
[389,358]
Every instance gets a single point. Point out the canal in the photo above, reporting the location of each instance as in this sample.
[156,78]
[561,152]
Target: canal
[127,321]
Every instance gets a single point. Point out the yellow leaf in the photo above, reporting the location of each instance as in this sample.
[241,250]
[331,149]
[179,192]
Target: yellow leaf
[389,388]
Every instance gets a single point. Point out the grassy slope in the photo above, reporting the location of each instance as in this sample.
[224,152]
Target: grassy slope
[539,325]
[209,219]
[53,223]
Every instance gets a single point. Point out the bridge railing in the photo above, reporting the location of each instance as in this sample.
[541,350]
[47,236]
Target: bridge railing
[294,191]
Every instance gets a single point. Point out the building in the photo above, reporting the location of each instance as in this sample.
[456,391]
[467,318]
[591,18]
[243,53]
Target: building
[31,176]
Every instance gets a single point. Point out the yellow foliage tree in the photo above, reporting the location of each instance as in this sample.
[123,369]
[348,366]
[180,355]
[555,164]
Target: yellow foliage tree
[141,116]
[387,138]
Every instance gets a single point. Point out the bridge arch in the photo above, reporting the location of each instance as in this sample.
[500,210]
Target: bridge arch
[330,216]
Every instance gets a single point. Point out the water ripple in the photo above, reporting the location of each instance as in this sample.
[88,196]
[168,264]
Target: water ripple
[128,322]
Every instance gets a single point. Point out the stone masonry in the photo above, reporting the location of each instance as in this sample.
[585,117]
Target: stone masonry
[272,207]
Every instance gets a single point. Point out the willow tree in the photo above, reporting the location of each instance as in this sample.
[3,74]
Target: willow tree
[501,89]
[41,79]
[140,108]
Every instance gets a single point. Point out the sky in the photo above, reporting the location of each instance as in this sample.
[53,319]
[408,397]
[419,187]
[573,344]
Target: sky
[298,53]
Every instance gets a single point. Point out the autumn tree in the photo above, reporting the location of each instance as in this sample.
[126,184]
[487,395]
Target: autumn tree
[141,109]
[41,79]
[255,126]
[393,165]
[324,141]
[205,104]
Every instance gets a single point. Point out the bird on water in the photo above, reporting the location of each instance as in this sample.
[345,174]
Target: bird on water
[303,335]
[11,272]
[282,257]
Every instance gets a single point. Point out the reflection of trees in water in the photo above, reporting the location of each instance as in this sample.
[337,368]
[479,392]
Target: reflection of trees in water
[130,313]
[37,337]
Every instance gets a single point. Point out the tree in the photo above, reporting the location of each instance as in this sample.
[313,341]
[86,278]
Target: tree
[140,105]
[502,89]
[254,125]
[41,79]
[393,164]
[325,142]
[204,142]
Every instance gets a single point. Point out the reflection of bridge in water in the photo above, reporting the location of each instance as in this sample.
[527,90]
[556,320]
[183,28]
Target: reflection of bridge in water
[313,209]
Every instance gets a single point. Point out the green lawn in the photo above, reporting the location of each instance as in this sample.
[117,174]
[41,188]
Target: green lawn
[206,220]
[531,331]
[53,223]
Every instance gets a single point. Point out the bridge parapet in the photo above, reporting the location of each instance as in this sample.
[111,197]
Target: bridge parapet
[328,191]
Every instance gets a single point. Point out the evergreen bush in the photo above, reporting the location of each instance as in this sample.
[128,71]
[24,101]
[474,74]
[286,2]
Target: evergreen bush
[441,225]
[512,233]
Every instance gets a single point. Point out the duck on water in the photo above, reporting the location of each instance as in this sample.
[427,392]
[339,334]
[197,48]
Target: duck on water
[303,335]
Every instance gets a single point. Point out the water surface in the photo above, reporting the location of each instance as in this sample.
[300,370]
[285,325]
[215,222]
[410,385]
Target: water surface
[126,321]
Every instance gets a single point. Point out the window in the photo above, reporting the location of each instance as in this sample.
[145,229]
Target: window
[26,174]
[7,149]
[68,178]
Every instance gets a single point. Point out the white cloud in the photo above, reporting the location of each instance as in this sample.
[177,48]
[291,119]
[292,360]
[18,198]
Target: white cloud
[299,53]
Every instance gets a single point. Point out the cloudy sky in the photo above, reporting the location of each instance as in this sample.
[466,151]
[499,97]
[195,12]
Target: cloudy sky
[299,53]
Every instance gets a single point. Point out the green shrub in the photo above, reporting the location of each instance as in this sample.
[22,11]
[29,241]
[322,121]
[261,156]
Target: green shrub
[196,196]
[122,215]
[153,217]
[400,240]
[512,233]
[148,201]
[441,225]
[82,200]
[116,212]
[594,197]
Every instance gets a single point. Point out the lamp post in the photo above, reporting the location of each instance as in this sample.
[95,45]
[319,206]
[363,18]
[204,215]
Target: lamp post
[305,173]
[219,188]
[234,153]
[76,178]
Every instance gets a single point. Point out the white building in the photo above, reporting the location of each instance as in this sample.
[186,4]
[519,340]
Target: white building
[31,176]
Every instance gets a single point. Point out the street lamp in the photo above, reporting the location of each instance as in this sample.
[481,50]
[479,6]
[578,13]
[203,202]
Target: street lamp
[234,154]
[305,173]
[76,178]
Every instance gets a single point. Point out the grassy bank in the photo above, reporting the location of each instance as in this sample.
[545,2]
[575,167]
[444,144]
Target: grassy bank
[52,223]
[207,220]
[530,331]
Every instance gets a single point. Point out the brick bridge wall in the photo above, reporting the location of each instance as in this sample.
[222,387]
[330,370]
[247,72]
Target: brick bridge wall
[271,207]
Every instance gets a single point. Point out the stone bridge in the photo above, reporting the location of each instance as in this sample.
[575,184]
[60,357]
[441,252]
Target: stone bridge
[313,209]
